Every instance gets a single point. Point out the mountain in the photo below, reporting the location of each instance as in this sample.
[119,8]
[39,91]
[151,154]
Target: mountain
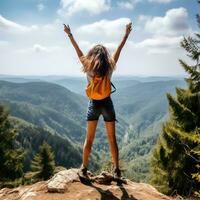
[48,105]
[30,137]
[144,104]
[78,84]
[57,112]
[54,108]
[144,107]
[140,104]
[44,111]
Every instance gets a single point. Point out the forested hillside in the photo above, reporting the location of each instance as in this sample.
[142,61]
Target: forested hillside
[144,108]
[54,110]
[43,112]
[48,105]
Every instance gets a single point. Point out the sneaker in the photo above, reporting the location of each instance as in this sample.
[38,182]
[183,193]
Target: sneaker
[82,172]
[117,173]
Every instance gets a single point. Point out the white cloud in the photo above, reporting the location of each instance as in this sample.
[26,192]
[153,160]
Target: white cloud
[40,6]
[70,7]
[173,23]
[160,45]
[125,5]
[86,46]
[12,27]
[129,5]
[161,42]
[21,36]
[111,29]
[161,1]
[166,32]
[111,46]
[38,48]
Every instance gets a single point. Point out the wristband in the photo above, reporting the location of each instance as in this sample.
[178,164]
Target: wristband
[70,34]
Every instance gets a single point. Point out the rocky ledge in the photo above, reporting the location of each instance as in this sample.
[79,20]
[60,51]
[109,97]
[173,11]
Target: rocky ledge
[66,185]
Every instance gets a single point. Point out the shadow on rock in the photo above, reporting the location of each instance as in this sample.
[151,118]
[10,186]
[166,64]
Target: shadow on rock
[107,194]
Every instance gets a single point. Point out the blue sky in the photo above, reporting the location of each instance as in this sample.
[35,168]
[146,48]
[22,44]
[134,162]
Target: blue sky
[32,41]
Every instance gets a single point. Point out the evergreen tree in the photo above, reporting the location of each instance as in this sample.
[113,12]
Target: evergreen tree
[43,163]
[11,158]
[175,158]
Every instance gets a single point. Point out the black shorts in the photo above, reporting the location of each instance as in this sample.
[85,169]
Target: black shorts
[98,107]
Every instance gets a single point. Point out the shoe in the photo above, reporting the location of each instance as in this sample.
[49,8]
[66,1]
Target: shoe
[117,173]
[82,172]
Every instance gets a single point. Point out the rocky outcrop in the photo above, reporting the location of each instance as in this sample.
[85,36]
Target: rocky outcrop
[66,185]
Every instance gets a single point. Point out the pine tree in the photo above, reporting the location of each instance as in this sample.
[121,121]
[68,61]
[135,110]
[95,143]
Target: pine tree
[175,158]
[11,158]
[43,163]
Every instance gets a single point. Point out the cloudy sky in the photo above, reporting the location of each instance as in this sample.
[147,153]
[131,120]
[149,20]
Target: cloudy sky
[32,41]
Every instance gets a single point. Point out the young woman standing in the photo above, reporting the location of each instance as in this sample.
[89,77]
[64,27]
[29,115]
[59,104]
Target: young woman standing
[98,66]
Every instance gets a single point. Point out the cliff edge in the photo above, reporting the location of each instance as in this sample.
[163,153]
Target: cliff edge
[66,185]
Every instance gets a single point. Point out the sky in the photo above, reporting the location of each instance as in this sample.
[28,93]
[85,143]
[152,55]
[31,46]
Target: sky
[32,40]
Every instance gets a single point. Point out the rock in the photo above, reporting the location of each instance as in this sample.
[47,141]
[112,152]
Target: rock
[67,182]
[22,192]
[58,183]
[105,178]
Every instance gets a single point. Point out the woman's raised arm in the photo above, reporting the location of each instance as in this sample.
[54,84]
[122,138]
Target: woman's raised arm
[73,41]
[117,52]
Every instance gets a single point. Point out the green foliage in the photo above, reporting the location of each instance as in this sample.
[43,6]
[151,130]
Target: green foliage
[43,163]
[143,106]
[196,175]
[47,105]
[136,154]
[137,169]
[108,166]
[11,157]
[174,160]
[30,138]
[45,111]
[67,153]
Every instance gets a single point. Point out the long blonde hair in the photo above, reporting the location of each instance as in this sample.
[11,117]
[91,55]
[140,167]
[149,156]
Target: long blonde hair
[98,61]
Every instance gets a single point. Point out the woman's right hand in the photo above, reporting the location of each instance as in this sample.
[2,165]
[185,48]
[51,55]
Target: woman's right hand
[128,28]
[67,29]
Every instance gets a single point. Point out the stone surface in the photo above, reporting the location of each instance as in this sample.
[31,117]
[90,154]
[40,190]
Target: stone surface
[58,183]
[65,185]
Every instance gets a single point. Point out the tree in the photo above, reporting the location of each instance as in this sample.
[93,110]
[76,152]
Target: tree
[175,158]
[11,157]
[43,163]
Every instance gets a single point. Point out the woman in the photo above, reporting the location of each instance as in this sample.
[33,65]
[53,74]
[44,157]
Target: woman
[99,62]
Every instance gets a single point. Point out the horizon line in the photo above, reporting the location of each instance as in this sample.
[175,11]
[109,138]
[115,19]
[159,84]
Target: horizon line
[114,75]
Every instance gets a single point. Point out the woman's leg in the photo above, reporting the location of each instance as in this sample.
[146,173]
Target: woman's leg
[90,134]
[110,129]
